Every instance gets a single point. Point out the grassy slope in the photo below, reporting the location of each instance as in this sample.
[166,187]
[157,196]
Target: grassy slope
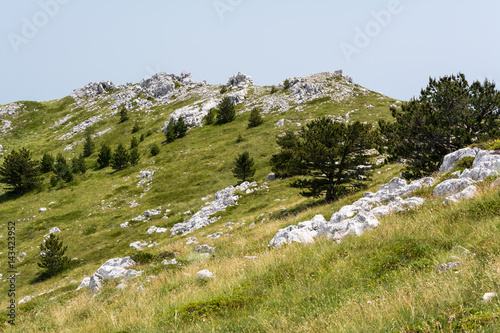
[322,286]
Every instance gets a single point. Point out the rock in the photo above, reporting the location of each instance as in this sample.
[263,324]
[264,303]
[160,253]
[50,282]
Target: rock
[222,199]
[80,127]
[369,106]
[121,286]
[271,177]
[171,262]
[250,257]
[451,160]
[95,283]
[154,229]
[215,236]
[238,97]
[280,123]
[138,245]
[152,212]
[192,114]
[124,225]
[204,274]
[240,80]
[204,249]
[93,89]
[115,268]
[487,159]
[54,230]
[451,186]
[84,284]
[489,297]
[138,218]
[466,194]
[192,240]
[449,266]
[158,85]
[26,299]
[42,209]
[478,173]
[131,274]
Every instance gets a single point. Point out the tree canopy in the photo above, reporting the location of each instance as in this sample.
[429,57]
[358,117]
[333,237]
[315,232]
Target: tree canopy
[449,114]
[333,157]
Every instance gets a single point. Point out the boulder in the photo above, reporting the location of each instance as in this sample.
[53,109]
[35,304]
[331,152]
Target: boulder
[84,284]
[451,160]
[489,297]
[488,159]
[138,245]
[271,177]
[95,283]
[115,268]
[451,186]
[204,274]
[466,194]
[478,173]
[280,123]
[204,249]
[93,89]
[26,299]
[191,240]
[158,85]
[157,230]
[239,80]
[42,209]
[449,266]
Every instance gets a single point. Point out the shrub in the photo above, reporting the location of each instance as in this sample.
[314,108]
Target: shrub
[155,150]
[123,115]
[52,258]
[134,143]
[274,90]
[142,137]
[180,128]
[20,172]
[121,158]
[286,84]
[243,167]
[210,117]
[47,163]
[255,118]
[136,128]
[223,89]
[134,156]
[226,111]
[104,158]
[88,146]
[62,170]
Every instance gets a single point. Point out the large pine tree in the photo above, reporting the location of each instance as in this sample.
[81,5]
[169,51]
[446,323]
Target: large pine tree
[20,171]
[225,111]
[243,167]
[105,155]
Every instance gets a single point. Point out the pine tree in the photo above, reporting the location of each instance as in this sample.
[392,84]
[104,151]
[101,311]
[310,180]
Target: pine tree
[121,158]
[134,156]
[134,143]
[170,132]
[47,163]
[255,118]
[142,137]
[20,172]
[326,152]
[180,128]
[123,115]
[88,146]
[104,158]
[62,170]
[136,128]
[210,117]
[52,257]
[243,167]
[155,150]
[226,111]
[78,165]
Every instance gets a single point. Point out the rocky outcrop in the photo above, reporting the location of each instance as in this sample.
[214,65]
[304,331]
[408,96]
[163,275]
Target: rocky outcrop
[110,270]
[192,115]
[451,160]
[93,89]
[222,199]
[240,80]
[451,186]
[80,127]
[468,193]
[158,85]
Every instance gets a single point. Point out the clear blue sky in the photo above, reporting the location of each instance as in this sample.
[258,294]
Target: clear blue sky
[50,47]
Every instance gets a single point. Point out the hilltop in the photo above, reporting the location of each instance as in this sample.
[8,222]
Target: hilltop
[181,212]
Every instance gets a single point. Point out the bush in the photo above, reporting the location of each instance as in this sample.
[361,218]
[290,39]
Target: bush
[104,158]
[142,137]
[210,117]
[223,89]
[121,158]
[180,128]
[62,170]
[54,180]
[20,172]
[79,165]
[255,118]
[52,257]
[47,163]
[88,146]
[286,84]
[155,150]
[123,115]
[134,156]
[243,167]
[136,128]
[226,111]
[134,143]
[274,90]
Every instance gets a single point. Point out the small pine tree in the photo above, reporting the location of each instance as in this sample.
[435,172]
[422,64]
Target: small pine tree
[255,118]
[104,158]
[180,128]
[142,137]
[134,156]
[226,111]
[52,257]
[78,165]
[223,89]
[243,167]
[136,128]
[210,117]
[62,170]
[155,150]
[120,158]
[170,133]
[134,143]
[47,163]
[274,90]
[123,115]
[20,171]
[88,146]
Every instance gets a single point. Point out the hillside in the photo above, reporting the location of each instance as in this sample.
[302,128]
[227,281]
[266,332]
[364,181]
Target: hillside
[385,280]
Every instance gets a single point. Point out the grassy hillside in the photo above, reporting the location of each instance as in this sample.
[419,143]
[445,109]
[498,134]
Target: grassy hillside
[385,280]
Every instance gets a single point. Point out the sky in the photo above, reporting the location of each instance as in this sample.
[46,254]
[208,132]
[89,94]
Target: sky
[50,47]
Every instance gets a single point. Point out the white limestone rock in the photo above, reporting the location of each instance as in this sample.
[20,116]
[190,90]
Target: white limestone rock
[84,284]
[280,123]
[478,173]
[487,159]
[124,225]
[42,209]
[240,80]
[204,249]
[451,186]
[95,283]
[157,230]
[451,160]
[138,245]
[93,89]
[131,274]
[152,212]
[466,194]
[488,297]
[26,299]
[158,85]
[192,114]
[192,240]
[204,274]
[115,268]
